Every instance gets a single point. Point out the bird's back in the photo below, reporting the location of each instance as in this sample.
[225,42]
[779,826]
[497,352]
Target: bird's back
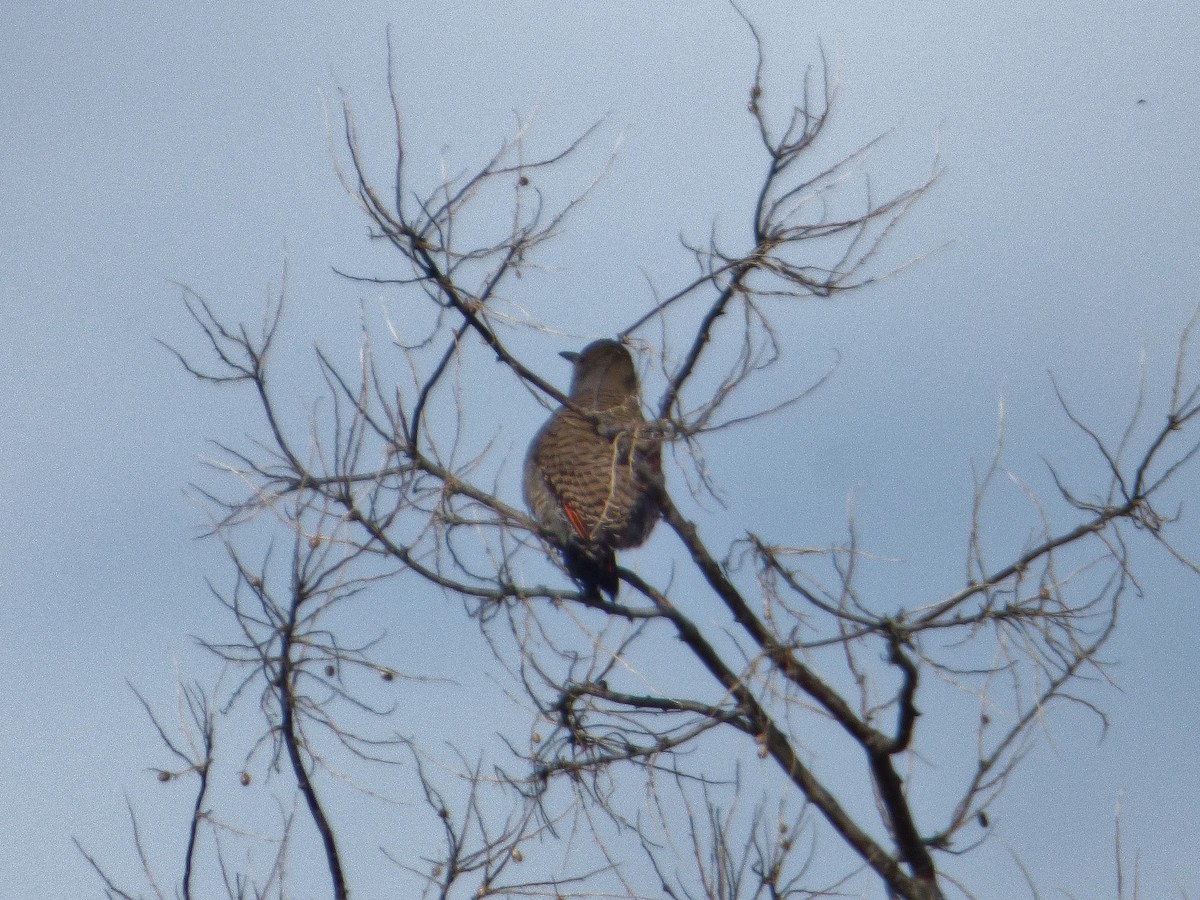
[595,481]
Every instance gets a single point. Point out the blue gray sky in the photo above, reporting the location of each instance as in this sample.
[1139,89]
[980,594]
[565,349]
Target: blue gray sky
[145,143]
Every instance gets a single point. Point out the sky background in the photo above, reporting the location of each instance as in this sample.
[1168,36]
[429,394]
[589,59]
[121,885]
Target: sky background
[146,143]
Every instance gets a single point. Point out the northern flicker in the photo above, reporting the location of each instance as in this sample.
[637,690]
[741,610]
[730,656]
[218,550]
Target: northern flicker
[592,481]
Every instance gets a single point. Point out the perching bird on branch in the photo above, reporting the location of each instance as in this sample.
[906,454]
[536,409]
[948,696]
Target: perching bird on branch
[593,473]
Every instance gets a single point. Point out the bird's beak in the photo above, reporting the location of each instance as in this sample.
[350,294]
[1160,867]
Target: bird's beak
[570,356]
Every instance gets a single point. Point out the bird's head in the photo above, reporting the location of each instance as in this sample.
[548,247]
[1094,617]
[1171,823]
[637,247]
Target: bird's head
[604,374]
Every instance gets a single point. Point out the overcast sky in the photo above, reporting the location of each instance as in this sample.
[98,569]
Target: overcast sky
[143,143]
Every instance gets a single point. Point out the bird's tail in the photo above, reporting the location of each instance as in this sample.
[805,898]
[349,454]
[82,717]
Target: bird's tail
[594,568]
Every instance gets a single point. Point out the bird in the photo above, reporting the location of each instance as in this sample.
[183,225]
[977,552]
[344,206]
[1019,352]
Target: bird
[593,473]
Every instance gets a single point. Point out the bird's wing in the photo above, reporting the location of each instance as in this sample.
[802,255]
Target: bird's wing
[575,519]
